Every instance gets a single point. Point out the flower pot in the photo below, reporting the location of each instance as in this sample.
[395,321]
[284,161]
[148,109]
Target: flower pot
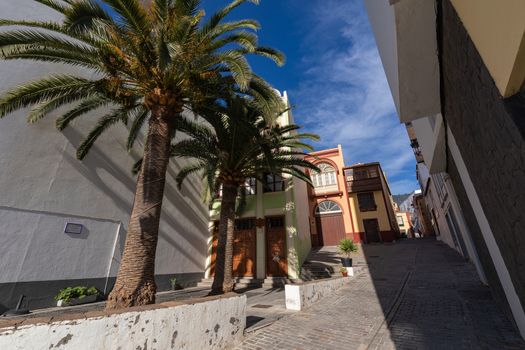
[78,301]
[345,274]
[346,262]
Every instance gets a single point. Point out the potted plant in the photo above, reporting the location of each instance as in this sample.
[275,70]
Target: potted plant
[173,282]
[76,295]
[344,271]
[346,248]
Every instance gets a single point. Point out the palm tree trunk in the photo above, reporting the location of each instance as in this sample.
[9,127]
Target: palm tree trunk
[223,279]
[135,284]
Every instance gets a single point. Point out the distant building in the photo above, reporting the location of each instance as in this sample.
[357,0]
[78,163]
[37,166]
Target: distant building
[353,202]
[370,196]
[404,223]
[424,225]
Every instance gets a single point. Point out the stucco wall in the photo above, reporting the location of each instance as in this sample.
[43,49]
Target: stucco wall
[300,296]
[41,178]
[490,138]
[497,30]
[338,194]
[205,324]
[302,214]
[380,214]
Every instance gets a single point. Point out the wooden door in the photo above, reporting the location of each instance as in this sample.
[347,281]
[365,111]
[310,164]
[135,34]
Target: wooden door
[276,252]
[214,247]
[372,230]
[244,248]
[330,228]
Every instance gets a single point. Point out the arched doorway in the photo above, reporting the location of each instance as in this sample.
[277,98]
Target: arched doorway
[330,223]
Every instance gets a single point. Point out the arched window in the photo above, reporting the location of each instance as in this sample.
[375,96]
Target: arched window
[327,207]
[327,176]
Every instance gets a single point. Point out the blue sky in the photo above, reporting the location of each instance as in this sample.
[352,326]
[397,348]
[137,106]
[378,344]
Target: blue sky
[334,79]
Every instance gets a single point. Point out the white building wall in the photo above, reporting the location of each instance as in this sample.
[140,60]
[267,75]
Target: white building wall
[42,185]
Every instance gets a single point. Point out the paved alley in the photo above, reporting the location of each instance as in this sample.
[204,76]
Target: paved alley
[416,294]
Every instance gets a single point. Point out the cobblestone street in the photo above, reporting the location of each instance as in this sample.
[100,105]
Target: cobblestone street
[417,294]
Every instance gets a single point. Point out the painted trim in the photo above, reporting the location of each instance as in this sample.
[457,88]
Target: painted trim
[488,236]
[325,151]
[387,209]
[327,200]
[112,258]
[328,161]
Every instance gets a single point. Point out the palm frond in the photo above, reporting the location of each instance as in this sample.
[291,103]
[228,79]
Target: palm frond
[53,4]
[42,90]
[132,16]
[80,15]
[139,119]
[239,67]
[218,16]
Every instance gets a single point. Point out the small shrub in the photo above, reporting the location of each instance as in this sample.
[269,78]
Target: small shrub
[347,247]
[79,292]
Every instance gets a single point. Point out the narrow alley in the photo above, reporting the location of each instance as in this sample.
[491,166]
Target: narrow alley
[416,294]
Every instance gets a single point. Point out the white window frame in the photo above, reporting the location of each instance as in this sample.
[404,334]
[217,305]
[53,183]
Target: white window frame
[327,176]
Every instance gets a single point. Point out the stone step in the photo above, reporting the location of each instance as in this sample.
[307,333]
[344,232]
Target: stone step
[240,282]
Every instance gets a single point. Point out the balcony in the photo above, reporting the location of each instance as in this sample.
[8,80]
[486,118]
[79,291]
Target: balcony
[417,150]
[360,179]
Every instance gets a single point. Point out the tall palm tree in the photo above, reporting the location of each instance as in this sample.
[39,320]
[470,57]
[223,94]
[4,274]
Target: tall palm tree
[237,144]
[152,62]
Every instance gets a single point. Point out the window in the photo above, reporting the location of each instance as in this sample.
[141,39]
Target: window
[274,222]
[361,173]
[244,224]
[273,183]
[366,201]
[400,221]
[326,176]
[250,186]
[327,207]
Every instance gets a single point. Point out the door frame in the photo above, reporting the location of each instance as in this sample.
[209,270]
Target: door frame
[319,226]
[378,230]
[267,260]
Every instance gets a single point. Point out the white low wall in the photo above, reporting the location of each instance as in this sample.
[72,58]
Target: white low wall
[299,296]
[204,324]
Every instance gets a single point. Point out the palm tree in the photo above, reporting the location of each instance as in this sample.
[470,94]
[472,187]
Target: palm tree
[237,144]
[151,63]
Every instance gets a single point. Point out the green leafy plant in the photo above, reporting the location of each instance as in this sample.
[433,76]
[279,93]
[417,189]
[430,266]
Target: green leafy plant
[173,282]
[77,292]
[347,247]
[343,269]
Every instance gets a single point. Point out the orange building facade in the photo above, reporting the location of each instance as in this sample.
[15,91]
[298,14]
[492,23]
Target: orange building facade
[349,202]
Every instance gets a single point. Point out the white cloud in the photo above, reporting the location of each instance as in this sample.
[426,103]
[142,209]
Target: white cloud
[345,97]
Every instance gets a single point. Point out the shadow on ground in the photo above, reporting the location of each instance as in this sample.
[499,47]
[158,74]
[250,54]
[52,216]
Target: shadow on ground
[432,298]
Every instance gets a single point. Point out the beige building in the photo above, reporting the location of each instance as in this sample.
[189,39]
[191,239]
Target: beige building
[349,201]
